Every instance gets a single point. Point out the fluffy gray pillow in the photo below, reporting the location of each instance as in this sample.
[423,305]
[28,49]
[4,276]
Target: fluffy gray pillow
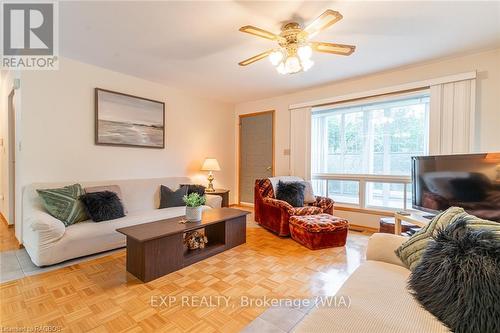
[291,192]
[458,278]
[111,188]
[103,206]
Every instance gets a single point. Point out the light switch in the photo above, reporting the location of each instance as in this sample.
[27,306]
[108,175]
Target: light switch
[286,152]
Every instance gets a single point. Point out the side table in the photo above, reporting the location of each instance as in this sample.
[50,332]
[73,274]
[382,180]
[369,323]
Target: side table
[415,218]
[224,194]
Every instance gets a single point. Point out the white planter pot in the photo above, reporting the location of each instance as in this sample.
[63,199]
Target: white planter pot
[193,214]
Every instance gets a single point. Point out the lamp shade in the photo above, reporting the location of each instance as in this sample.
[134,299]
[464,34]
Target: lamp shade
[210,164]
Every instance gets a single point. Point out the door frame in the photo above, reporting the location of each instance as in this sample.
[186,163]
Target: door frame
[12,156]
[246,115]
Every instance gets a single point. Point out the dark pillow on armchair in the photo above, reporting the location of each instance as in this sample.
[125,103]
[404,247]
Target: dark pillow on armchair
[103,206]
[458,278]
[291,192]
[169,198]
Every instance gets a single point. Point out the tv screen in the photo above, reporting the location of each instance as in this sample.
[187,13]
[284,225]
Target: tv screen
[470,181]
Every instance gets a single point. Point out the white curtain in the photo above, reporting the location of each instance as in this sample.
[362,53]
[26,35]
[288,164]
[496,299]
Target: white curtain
[319,144]
[451,117]
[300,142]
[319,151]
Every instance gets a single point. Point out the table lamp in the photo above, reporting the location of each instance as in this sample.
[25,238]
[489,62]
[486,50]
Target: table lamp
[210,165]
[494,158]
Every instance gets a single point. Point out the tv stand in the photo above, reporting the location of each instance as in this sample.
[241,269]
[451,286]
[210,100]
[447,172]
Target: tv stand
[415,217]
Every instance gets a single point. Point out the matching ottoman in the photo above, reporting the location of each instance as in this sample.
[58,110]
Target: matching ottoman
[319,231]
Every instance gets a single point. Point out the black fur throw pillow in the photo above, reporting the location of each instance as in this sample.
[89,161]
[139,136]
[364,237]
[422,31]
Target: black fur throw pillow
[458,279]
[103,206]
[291,192]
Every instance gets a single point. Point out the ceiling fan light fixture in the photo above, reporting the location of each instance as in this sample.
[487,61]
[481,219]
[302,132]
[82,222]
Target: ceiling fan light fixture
[304,52]
[281,68]
[276,57]
[307,64]
[295,47]
[292,65]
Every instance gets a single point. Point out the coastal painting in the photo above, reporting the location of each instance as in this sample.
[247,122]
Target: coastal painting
[126,120]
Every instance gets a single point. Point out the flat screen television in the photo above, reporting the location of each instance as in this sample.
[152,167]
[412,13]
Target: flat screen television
[470,181]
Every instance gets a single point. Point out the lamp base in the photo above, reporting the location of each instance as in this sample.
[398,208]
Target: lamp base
[210,187]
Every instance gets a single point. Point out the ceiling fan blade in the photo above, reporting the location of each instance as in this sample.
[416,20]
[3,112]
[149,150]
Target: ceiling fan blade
[255,58]
[323,21]
[249,29]
[340,49]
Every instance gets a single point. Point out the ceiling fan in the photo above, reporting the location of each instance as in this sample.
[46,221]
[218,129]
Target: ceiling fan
[294,50]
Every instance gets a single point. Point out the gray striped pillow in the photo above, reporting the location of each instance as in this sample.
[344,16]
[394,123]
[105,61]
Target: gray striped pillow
[411,251]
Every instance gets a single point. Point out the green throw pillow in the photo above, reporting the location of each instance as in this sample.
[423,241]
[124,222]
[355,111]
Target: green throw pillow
[64,203]
[411,251]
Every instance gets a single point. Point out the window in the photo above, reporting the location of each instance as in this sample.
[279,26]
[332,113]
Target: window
[373,140]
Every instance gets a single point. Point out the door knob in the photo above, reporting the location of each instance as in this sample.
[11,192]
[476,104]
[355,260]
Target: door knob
[269,168]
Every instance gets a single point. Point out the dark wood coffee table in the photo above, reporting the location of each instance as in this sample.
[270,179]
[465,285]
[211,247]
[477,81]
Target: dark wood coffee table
[157,248]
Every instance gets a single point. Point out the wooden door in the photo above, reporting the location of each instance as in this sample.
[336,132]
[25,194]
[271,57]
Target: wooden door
[256,158]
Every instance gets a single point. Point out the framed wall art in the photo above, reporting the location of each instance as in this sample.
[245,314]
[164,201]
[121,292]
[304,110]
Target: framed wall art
[127,120]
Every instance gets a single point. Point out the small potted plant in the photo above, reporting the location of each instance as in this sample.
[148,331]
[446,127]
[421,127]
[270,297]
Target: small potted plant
[193,202]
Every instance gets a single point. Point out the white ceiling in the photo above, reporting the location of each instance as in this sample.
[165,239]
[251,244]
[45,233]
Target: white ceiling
[196,45]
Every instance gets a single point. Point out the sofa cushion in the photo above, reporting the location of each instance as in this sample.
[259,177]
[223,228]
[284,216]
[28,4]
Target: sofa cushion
[169,198]
[377,301]
[381,248]
[291,192]
[472,257]
[103,206]
[64,203]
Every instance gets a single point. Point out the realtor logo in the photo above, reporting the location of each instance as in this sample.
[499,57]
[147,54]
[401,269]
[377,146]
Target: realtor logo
[29,32]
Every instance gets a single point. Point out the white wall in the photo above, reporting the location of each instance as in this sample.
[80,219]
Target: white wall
[486,63]
[7,84]
[58,130]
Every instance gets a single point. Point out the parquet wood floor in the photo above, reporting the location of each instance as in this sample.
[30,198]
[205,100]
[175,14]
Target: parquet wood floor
[100,296]
[7,238]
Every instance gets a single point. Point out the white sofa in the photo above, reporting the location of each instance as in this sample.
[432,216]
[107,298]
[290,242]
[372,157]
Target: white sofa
[379,299]
[48,241]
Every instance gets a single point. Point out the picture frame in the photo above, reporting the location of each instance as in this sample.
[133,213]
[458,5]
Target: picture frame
[128,121]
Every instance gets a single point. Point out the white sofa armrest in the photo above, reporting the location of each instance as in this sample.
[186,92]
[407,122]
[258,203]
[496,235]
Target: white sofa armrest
[48,228]
[381,247]
[214,201]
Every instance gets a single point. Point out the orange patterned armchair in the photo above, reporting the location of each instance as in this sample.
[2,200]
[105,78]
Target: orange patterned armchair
[275,214]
